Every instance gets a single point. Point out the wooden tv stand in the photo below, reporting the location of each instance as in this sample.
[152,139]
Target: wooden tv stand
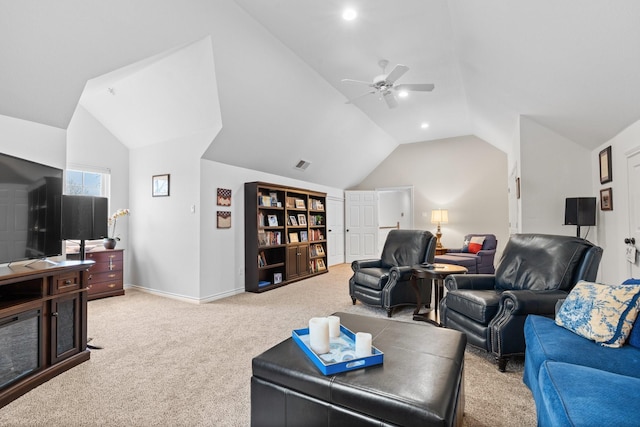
[43,324]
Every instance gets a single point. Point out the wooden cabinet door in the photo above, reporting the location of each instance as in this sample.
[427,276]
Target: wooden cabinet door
[65,327]
[297,261]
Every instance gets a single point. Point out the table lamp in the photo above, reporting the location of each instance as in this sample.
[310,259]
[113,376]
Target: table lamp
[439,216]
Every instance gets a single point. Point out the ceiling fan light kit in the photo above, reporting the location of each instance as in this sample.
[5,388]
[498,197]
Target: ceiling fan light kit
[384,84]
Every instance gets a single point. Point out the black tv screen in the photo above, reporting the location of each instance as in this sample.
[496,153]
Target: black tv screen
[30,209]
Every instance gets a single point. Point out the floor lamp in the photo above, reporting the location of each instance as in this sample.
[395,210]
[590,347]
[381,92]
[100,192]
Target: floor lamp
[84,218]
[439,216]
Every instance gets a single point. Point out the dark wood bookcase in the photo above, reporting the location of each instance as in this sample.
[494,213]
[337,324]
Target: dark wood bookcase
[285,232]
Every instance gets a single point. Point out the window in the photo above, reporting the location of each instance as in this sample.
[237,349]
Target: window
[80,181]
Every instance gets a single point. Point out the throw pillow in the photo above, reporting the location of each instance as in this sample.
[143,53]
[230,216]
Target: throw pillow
[634,336]
[465,245]
[602,313]
[475,244]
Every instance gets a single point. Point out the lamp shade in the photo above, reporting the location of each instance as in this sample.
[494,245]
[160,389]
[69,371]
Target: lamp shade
[84,217]
[439,216]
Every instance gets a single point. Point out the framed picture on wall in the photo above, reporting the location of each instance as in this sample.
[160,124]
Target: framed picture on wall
[606,199]
[160,185]
[605,166]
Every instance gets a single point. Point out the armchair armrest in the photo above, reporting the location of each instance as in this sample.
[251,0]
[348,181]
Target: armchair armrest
[365,263]
[402,272]
[470,281]
[525,301]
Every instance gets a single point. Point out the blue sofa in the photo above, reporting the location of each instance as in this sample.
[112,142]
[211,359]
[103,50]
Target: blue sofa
[578,382]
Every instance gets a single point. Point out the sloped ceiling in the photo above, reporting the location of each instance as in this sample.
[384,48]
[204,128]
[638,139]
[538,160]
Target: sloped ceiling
[571,66]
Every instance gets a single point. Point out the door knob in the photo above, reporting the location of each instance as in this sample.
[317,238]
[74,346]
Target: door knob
[630,241]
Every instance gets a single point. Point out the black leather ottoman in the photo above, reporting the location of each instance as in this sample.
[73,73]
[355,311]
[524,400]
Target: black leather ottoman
[420,382]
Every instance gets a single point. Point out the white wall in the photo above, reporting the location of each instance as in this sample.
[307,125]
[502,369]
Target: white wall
[165,234]
[465,175]
[91,145]
[613,226]
[222,250]
[33,141]
[552,168]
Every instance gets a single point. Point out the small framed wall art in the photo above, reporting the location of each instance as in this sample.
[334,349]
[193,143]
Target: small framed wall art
[605,166]
[160,185]
[224,219]
[606,199]
[224,197]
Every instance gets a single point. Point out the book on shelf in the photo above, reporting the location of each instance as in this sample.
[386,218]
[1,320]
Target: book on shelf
[268,238]
[262,283]
[315,235]
[262,261]
[316,219]
[264,200]
[260,220]
[316,205]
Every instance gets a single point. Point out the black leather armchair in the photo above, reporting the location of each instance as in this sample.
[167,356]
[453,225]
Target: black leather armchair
[534,272]
[385,282]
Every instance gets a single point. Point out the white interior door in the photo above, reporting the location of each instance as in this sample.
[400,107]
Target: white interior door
[395,211]
[633,174]
[361,225]
[335,230]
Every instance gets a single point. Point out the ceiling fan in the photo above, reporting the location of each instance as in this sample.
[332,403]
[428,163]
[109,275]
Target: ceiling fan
[384,84]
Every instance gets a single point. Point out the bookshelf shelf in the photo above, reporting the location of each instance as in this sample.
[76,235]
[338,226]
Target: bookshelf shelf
[285,232]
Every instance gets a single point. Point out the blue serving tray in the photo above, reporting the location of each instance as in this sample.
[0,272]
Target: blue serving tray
[342,354]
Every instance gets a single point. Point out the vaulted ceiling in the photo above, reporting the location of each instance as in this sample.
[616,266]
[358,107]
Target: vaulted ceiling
[571,66]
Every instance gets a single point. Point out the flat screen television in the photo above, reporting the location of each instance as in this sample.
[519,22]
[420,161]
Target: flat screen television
[30,210]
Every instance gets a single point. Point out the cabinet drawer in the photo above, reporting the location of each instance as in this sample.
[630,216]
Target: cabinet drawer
[109,286]
[105,256]
[107,276]
[65,282]
[100,267]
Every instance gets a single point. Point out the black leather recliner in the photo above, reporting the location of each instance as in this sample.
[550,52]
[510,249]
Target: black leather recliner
[385,282]
[535,271]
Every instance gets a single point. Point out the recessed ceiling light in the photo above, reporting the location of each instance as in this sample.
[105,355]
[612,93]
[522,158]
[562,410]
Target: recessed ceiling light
[403,94]
[349,14]
[424,125]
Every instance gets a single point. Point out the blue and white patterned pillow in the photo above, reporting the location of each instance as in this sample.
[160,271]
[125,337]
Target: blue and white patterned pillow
[602,313]
[634,335]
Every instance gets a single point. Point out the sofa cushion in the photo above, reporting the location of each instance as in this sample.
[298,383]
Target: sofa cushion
[475,244]
[372,277]
[479,305]
[547,341]
[634,336]
[602,313]
[570,391]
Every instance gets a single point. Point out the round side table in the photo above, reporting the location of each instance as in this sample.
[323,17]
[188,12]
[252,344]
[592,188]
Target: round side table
[436,273]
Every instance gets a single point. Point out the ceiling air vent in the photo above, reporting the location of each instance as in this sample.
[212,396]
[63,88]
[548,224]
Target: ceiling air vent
[302,165]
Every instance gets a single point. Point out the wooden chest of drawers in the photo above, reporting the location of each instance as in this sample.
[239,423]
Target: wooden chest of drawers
[105,277]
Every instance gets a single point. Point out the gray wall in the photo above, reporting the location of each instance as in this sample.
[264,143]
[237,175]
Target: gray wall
[465,175]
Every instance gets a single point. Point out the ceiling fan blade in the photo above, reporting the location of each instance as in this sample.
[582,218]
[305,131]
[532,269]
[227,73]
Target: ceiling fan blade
[356,81]
[422,87]
[397,72]
[349,101]
[390,99]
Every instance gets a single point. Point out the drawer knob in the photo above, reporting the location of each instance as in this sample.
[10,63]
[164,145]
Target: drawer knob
[54,314]
[67,282]
[112,285]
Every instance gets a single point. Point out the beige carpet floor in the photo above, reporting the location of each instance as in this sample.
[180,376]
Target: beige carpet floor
[171,363]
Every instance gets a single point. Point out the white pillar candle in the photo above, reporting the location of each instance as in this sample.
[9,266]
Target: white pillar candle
[334,326]
[363,344]
[319,334]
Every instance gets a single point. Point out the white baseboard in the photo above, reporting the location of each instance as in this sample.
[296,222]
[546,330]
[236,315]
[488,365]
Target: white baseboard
[186,298]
